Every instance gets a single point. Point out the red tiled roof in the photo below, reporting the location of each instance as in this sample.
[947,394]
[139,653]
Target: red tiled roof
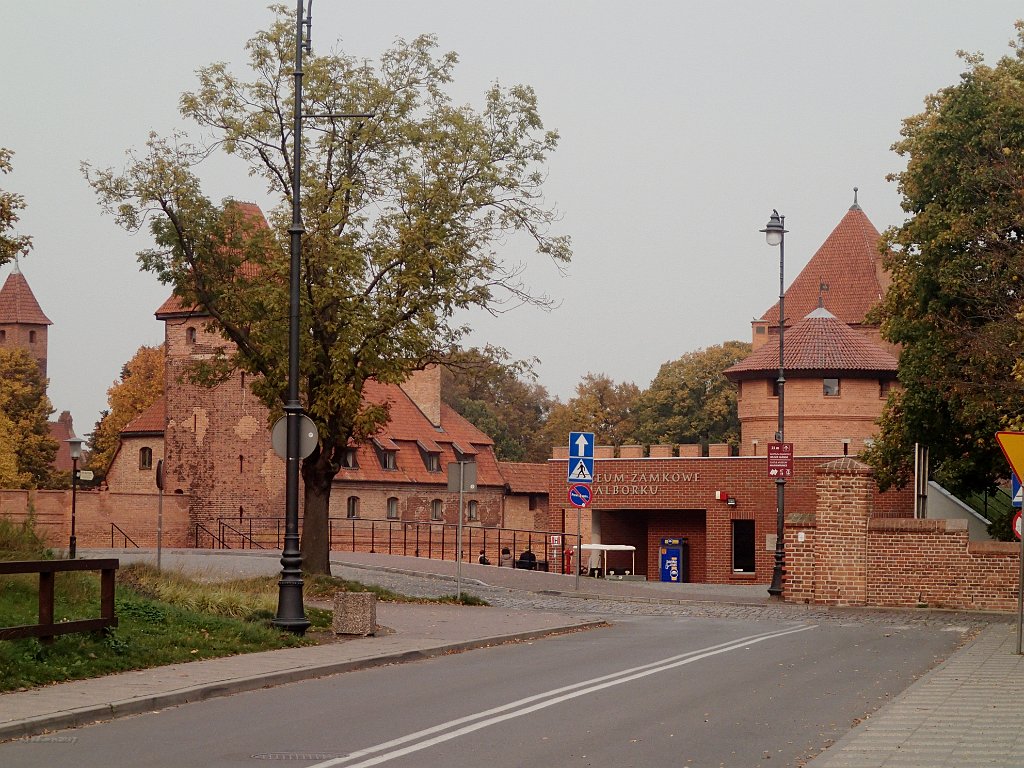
[174,305]
[850,264]
[820,343]
[151,421]
[61,430]
[522,477]
[18,304]
[408,430]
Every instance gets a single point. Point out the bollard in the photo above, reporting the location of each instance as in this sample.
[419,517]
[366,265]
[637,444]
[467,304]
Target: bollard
[355,613]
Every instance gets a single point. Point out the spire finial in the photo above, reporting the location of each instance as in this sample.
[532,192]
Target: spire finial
[822,288]
[855,206]
[17,265]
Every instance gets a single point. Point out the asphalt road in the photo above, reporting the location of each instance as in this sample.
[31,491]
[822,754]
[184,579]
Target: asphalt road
[647,691]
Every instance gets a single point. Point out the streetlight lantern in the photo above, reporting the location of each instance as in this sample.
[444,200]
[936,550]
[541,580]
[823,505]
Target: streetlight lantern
[75,448]
[775,234]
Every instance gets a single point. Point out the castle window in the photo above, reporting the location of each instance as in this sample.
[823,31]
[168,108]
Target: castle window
[742,546]
[31,337]
[241,463]
[190,335]
[830,387]
[352,509]
[884,388]
[145,458]
[474,510]
[3,335]
[436,510]
[392,508]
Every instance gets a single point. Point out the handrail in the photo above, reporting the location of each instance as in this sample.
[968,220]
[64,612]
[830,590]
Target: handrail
[253,544]
[127,538]
[217,540]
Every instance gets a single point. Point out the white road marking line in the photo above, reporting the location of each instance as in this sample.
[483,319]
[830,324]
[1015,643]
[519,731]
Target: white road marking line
[541,701]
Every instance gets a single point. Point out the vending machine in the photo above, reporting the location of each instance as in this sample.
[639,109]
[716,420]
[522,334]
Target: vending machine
[671,560]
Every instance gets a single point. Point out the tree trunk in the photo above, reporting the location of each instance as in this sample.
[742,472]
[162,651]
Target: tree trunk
[315,544]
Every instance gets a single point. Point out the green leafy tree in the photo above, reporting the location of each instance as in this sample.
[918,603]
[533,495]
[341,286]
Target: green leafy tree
[600,406]
[11,244]
[501,398]
[26,410]
[402,213]
[141,384]
[690,401]
[957,268]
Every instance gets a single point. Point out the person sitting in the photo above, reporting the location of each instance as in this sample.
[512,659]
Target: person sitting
[505,559]
[483,558]
[527,560]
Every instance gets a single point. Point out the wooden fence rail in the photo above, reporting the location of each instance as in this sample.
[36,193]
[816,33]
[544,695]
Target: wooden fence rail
[46,629]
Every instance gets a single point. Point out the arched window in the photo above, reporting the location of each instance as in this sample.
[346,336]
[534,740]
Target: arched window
[392,508]
[145,458]
[352,510]
[474,510]
[436,510]
[190,335]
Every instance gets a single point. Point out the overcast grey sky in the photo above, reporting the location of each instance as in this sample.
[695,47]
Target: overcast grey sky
[683,125]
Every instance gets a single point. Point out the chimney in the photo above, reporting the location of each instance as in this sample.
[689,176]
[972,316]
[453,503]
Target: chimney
[424,389]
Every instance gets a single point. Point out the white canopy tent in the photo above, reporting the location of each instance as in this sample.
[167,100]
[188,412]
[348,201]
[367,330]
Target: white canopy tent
[604,549]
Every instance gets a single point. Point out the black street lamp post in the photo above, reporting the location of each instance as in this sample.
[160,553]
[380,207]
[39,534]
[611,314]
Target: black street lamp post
[75,448]
[291,614]
[775,234]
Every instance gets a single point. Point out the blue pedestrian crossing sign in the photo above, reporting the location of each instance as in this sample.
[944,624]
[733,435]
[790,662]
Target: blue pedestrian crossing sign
[581,457]
[1015,490]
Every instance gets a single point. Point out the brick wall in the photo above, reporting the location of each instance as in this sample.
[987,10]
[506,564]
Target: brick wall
[815,424]
[844,554]
[126,473]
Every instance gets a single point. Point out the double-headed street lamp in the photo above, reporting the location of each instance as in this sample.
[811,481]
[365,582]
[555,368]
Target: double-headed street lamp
[775,234]
[75,448]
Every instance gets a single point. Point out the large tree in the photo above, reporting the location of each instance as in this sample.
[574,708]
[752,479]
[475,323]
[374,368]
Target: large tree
[957,268]
[140,385]
[600,406]
[27,409]
[500,397]
[11,243]
[402,215]
[690,401]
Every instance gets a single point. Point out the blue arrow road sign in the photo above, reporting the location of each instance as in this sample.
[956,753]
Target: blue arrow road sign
[581,445]
[1015,490]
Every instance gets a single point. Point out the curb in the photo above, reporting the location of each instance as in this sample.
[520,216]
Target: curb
[87,715]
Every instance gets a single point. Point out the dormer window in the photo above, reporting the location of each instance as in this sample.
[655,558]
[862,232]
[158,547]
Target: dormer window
[348,459]
[463,454]
[431,453]
[387,452]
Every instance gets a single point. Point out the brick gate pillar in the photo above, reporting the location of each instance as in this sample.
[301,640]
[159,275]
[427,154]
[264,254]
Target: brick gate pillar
[844,504]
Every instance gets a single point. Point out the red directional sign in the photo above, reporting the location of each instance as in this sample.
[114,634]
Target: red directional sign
[780,460]
[579,495]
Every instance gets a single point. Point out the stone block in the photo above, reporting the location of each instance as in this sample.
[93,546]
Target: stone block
[355,613]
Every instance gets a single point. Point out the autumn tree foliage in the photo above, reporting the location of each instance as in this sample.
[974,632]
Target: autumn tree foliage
[690,401]
[403,213]
[600,406]
[957,268]
[24,422]
[140,385]
[11,243]
[500,397]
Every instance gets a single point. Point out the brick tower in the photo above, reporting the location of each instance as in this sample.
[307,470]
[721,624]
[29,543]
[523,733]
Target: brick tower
[22,322]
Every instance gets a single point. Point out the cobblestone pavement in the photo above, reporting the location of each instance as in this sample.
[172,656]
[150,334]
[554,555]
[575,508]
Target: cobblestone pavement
[439,585]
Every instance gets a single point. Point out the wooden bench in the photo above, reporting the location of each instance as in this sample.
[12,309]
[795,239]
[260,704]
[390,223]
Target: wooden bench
[46,629]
